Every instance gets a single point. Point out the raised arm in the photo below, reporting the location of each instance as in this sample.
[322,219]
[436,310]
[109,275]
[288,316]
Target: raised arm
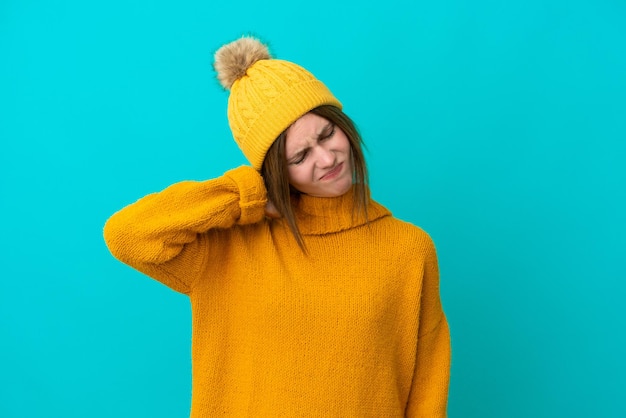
[162,233]
[429,391]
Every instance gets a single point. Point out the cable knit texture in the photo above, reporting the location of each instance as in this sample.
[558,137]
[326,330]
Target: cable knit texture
[354,328]
[267,100]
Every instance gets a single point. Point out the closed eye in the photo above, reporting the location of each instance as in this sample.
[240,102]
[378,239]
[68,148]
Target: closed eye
[299,157]
[329,131]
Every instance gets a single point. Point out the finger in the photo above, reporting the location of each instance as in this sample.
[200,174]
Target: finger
[271,211]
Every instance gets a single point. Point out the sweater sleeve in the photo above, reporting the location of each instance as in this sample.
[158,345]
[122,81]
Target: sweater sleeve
[429,391]
[162,234]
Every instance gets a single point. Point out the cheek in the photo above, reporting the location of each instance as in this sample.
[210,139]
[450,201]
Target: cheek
[295,175]
[300,175]
[343,144]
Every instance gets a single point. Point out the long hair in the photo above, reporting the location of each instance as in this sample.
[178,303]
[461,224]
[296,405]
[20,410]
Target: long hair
[276,176]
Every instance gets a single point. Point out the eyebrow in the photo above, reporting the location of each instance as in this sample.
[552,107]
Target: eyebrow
[324,132]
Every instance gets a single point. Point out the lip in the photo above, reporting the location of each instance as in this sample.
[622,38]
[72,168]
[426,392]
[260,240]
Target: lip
[333,173]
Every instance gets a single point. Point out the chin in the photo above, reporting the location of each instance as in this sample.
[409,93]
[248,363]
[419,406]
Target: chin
[339,191]
[329,190]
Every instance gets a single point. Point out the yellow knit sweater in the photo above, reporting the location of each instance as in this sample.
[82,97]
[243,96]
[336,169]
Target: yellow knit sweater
[354,328]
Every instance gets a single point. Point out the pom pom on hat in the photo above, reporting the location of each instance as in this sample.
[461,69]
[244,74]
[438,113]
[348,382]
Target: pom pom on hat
[233,60]
[266,95]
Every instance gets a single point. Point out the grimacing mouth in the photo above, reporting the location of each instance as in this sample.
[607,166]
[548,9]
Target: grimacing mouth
[337,167]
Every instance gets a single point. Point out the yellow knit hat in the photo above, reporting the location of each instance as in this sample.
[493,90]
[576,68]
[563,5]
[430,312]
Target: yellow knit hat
[266,95]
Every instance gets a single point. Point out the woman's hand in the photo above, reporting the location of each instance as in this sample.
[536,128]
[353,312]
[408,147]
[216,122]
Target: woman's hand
[271,211]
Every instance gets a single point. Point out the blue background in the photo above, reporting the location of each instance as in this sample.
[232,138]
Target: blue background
[499,127]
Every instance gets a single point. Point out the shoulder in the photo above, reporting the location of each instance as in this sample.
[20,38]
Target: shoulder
[400,233]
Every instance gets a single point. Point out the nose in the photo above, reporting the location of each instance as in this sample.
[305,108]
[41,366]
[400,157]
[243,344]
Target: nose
[325,157]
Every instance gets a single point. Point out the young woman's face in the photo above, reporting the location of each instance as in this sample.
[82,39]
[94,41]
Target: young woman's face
[318,157]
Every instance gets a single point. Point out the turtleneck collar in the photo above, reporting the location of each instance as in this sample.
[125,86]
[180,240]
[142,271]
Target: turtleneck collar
[324,215]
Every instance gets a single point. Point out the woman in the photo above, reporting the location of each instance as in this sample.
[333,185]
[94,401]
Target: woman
[308,298]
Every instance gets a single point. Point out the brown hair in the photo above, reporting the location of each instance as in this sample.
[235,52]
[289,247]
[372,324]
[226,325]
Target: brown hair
[276,177]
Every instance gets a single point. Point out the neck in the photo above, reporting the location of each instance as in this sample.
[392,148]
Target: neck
[323,215]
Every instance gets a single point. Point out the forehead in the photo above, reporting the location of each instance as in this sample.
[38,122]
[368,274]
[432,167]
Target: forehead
[306,128]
